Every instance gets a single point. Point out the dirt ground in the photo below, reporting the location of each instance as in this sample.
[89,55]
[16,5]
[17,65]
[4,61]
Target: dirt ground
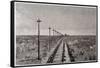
[81,48]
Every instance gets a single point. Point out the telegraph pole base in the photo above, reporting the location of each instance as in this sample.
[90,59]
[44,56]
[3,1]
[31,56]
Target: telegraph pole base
[39,58]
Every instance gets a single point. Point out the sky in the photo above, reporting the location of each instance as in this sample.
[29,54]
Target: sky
[67,19]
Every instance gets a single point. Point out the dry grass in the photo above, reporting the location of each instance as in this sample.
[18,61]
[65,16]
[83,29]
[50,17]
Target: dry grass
[82,48]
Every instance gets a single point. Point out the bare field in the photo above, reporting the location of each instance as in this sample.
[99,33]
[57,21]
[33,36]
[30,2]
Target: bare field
[27,49]
[80,48]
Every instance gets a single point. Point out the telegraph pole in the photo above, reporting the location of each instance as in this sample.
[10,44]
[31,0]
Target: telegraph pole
[38,21]
[53,32]
[49,37]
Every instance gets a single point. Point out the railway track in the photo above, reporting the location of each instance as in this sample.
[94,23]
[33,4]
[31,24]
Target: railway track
[60,54]
[51,58]
[63,53]
[70,53]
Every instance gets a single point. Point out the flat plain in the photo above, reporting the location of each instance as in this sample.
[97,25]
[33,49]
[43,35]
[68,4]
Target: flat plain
[55,49]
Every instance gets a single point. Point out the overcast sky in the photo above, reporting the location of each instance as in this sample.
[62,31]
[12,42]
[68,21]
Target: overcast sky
[73,20]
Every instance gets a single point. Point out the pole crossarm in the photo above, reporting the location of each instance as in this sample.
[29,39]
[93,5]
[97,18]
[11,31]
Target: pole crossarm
[57,32]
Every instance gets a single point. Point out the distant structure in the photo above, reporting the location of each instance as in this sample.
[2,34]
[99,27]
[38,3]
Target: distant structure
[67,35]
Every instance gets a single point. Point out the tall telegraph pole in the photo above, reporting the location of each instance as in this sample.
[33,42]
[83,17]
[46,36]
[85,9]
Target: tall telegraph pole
[38,21]
[49,37]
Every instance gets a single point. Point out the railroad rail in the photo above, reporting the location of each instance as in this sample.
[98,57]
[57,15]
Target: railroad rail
[60,53]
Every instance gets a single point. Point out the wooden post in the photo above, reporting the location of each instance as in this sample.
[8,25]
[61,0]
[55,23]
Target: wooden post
[49,37]
[38,21]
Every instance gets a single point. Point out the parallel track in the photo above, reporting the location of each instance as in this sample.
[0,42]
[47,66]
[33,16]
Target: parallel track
[60,54]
